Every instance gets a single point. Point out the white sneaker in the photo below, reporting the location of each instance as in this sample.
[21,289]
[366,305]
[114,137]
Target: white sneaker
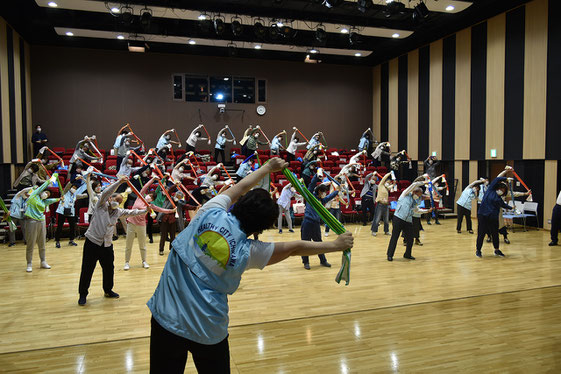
[126,267]
[145,265]
[326,234]
[44,265]
[374,233]
[29,268]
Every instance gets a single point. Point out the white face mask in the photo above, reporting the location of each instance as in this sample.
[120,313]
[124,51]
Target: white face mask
[500,192]
[181,169]
[30,170]
[148,198]
[44,195]
[114,205]
[73,190]
[98,189]
[416,197]
[38,129]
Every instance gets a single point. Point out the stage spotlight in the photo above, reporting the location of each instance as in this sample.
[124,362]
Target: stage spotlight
[421,11]
[274,31]
[354,38]
[237,27]
[259,30]
[127,14]
[219,26]
[332,3]
[206,25]
[287,31]
[393,8]
[145,17]
[364,5]
[321,34]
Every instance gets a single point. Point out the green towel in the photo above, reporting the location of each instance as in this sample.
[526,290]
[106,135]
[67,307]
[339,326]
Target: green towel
[11,223]
[345,270]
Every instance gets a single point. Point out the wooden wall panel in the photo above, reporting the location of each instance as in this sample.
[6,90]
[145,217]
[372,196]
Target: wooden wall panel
[458,175]
[535,79]
[393,104]
[376,97]
[463,79]
[550,191]
[413,105]
[18,141]
[5,94]
[28,148]
[494,131]
[435,110]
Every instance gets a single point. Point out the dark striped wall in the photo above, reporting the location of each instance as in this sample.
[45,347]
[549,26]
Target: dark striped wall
[495,85]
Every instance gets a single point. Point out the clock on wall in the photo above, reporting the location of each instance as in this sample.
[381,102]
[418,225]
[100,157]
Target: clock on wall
[261,110]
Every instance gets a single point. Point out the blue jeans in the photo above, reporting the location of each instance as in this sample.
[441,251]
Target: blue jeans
[382,210]
[336,213]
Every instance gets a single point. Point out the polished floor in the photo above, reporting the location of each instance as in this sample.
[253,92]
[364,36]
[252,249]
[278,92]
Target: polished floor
[448,311]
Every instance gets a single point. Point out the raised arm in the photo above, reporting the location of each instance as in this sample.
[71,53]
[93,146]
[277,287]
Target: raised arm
[43,186]
[476,183]
[411,187]
[273,165]
[284,250]
[385,178]
[106,194]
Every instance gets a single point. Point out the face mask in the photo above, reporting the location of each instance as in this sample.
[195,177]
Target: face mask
[30,170]
[148,198]
[73,190]
[98,189]
[38,129]
[181,169]
[416,197]
[129,164]
[44,195]
[500,192]
[114,205]
[475,191]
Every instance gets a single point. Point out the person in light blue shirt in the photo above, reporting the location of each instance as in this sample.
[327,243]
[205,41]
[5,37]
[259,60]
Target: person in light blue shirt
[66,210]
[221,140]
[276,145]
[190,305]
[403,219]
[17,213]
[314,140]
[464,204]
[364,142]
[165,140]
[245,168]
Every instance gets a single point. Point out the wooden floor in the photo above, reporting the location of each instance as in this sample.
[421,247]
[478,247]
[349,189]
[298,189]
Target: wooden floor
[448,311]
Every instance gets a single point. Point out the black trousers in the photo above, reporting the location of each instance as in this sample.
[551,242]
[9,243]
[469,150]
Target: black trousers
[290,157]
[189,148]
[60,218]
[463,212]
[416,227]
[399,225]
[487,225]
[165,228]
[367,208]
[219,152]
[91,255]
[168,353]
[149,225]
[555,223]
[311,231]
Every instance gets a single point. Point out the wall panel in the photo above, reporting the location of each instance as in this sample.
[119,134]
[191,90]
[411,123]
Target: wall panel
[550,190]
[463,79]
[376,97]
[435,113]
[413,104]
[393,103]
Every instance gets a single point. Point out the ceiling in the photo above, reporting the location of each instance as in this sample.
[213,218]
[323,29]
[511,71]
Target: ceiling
[175,26]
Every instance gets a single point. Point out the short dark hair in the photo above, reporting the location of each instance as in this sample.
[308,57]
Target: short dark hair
[321,188]
[256,211]
[501,185]
[35,168]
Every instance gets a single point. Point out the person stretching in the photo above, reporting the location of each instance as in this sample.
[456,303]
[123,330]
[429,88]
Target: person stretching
[190,305]
[464,205]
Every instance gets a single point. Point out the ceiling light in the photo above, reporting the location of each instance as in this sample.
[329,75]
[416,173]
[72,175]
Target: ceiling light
[120,37]
[332,3]
[280,24]
[115,10]
[69,33]
[313,50]
[202,17]
[126,14]
[358,54]
[52,4]
[344,30]
[450,8]
[396,35]
[192,42]
[137,46]
[257,46]
[388,1]
[274,31]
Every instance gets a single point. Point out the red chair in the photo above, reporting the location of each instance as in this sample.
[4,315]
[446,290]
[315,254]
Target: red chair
[349,211]
[295,164]
[58,150]
[82,220]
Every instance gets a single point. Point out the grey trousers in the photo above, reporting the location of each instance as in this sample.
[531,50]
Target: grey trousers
[287,215]
[140,233]
[35,232]
[382,211]
[12,234]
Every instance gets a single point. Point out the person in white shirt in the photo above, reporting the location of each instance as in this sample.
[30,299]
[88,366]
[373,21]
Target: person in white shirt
[284,206]
[221,140]
[194,137]
[293,146]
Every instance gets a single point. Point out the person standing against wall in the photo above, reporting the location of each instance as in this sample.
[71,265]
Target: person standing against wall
[38,139]
[555,221]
